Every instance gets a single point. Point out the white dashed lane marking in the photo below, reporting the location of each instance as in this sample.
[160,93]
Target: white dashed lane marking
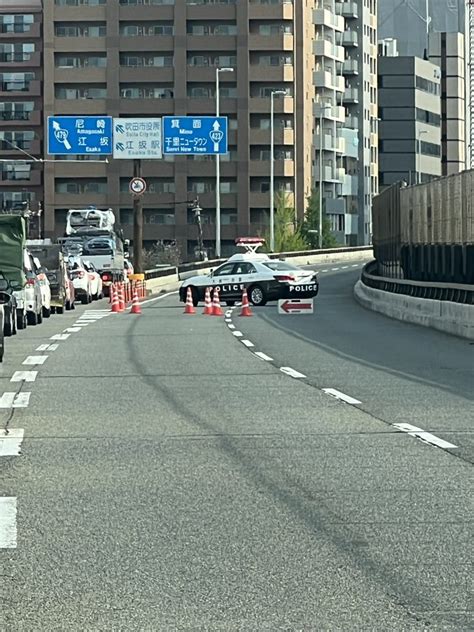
[238,334]
[72,330]
[263,356]
[60,337]
[10,441]
[32,360]
[342,396]
[247,343]
[24,376]
[291,372]
[42,348]
[230,326]
[7,523]
[14,400]
[427,437]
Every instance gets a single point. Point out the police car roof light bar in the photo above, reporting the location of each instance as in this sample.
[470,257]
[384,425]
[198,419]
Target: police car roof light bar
[251,244]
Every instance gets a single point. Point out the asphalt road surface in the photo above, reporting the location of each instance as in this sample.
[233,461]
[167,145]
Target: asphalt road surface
[173,477]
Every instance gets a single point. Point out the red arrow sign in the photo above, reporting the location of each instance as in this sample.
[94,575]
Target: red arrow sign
[295,306]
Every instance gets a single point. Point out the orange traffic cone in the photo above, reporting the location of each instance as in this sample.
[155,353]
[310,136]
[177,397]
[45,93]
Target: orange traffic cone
[136,309]
[216,305]
[121,299]
[115,300]
[245,305]
[189,309]
[207,303]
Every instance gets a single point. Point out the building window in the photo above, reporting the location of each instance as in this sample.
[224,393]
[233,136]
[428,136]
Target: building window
[430,149]
[11,111]
[145,92]
[143,59]
[23,140]
[16,52]
[80,30]
[212,60]
[146,29]
[159,216]
[80,92]
[16,81]
[135,3]
[426,85]
[79,3]
[16,23]
[80,186]
[69,60]
[213,28]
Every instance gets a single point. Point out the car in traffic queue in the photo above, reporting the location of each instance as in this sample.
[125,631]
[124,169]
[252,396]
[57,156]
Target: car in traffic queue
[95,279]
[9,305]
[265,279]
[45,288]
[34,292]
[80,279]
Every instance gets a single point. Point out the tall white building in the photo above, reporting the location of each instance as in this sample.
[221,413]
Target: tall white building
[347,78]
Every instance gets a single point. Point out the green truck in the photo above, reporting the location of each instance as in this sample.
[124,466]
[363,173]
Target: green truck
[12,260]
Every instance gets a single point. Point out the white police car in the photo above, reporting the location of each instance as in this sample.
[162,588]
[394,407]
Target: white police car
[265,279]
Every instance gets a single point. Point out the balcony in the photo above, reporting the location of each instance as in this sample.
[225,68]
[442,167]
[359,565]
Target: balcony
[22,119]
[284,136]
[71,14]
[325,48]
[326,79]
[198,43]
[351,122]
[142,74]
[33,179]
[32,147]
[351,95]
[329,112]
[212,11]
[19,89]
[271,73]
[349,10]
[327,142]
[34,32]
[324,17]
[333,174]
[19,60]
[80,44]
[146,12]
[350,186]
[279,42]
[155,43]
[283,168]
[89,74]
[282,105]
[350,67]
[278,11]
[350,39]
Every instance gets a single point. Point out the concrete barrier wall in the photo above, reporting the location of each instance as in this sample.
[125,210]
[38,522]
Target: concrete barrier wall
[167,283]
[452,318]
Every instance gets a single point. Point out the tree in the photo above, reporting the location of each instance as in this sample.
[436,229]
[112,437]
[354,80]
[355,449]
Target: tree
[288,236]
[311,223]
[161,253]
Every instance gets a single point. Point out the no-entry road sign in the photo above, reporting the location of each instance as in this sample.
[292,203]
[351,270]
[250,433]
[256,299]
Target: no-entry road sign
[296,306]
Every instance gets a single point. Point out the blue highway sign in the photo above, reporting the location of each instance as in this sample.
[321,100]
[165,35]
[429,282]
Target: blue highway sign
[79,135]
[195,135]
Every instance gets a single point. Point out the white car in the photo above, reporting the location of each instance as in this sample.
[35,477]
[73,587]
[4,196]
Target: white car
[33,294]
[264,278]
[80,279]
[95,280]
[44,287]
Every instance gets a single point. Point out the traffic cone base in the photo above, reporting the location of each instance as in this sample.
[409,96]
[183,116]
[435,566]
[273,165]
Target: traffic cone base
[189,308]
[245,305]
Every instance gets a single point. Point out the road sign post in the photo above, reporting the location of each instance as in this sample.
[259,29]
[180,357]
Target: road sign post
[79,135]
[296,306]
[137,220]
[195,135]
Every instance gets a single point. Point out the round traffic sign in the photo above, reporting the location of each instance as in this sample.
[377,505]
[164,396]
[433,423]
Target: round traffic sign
[137,186]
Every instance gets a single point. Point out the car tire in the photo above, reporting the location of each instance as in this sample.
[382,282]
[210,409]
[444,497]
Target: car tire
[39,316]
[46,312]
[257,295]
[73,305]
[60,309]
[95,297]
[32,318]
[85,299]
[68,305]
[8,327]
[195,294]
[21,319]
[230,303]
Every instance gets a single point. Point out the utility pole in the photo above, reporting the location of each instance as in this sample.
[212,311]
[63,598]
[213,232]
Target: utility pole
[197,213]
[137,222]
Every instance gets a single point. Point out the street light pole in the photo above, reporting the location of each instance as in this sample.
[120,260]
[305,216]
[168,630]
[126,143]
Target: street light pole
[321,112]
[218,170]
[272,167]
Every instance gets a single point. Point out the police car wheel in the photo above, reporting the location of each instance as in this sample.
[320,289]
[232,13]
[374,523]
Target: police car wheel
[257,295]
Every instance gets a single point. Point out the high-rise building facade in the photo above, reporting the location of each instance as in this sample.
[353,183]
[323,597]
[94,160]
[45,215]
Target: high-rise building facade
[346,59]
[410,125]
[135,58]
[446,50]
[21,136]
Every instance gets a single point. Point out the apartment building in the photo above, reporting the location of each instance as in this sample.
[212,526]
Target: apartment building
[133,58]
[346,115]
[410,126]
[21,136]
[446,50]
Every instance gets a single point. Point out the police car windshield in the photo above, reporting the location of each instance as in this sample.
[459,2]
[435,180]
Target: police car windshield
[279,265]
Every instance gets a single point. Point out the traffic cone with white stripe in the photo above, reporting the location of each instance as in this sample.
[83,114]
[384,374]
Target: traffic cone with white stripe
[136,309]
[216,305]
[189,309]
[245,305]
[121,299]
[115,300]
[207,303]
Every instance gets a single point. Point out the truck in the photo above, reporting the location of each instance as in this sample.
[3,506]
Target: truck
[12,261]
[52,258]
[92,235]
